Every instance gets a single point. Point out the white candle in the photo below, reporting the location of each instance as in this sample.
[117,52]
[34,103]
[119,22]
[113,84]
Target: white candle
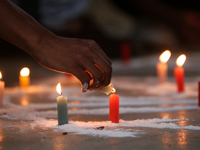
[2,86]
[24,79]
[61,107]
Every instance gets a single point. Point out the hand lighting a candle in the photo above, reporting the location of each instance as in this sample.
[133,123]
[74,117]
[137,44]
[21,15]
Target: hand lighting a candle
[162,66]
[24,79]
[61,107]
[179,72]
[2,86]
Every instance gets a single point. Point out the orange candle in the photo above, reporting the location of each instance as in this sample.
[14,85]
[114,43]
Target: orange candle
[114,108]
[179,73]
[24,79]
[162,66]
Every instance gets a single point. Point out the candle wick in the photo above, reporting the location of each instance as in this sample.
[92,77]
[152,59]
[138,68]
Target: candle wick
[61,93]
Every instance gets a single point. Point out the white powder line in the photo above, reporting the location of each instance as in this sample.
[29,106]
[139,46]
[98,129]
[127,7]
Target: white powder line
[90,128]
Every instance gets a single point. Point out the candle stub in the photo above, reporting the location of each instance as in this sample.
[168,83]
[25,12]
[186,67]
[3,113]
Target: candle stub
[108,89]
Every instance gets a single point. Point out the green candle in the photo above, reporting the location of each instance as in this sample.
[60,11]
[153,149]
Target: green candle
[61,107]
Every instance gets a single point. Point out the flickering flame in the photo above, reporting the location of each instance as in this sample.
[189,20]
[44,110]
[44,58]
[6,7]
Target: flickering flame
[181,60]
[25,72]
[0,76]
[58,88]
[164,57]
[113,90]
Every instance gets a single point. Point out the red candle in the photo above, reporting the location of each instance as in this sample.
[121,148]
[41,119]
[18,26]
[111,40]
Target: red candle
[114,108]
[179,73]
[126,52]
[199,93]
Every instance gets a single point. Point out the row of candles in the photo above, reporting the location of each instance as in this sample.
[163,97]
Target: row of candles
[62,110]
[114,98]
[24,81]
[178,71]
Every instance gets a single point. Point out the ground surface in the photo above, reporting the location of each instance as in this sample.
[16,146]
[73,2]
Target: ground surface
[153,116]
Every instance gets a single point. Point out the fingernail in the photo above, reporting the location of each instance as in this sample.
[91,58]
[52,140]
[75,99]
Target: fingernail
[85,87]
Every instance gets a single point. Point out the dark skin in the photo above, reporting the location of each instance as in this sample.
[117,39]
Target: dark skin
[67,55]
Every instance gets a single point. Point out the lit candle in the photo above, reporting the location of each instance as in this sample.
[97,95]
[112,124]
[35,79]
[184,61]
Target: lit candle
[162,66]
[179,72]
[24,79]
[61,107]
[108,89]
[199,93]
[114,108]
[2,85]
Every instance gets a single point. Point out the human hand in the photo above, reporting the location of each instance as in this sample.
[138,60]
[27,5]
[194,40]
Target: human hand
[82,58]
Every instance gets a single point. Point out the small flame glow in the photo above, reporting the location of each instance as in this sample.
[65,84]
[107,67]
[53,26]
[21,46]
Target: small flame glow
[181,60]
[58,88]
[25,72]
[164,57]
[0,76]
[113,90]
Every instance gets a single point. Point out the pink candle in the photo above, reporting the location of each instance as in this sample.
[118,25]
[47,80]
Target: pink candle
[179,73]
[162,66]
[114,108]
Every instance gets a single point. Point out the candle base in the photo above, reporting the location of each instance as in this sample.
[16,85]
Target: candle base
[179,76]
[62,110]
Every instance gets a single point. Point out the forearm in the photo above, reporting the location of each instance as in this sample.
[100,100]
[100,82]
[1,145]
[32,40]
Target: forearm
[19,28]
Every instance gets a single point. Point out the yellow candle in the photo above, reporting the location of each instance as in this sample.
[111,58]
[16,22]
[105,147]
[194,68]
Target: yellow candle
[162,66]
[24,79]
[2,86]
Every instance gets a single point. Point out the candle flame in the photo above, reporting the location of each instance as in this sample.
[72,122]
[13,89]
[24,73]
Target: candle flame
[58,88]
[181,60]
[0,75]
[164,57]
[113,90]
[25,72]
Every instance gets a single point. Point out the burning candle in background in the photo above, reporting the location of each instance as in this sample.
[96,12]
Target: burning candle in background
[2,86]
[125,52]
[24,79]
[114,108]
[162,66]
[199,93]
[61,107]
[179,72]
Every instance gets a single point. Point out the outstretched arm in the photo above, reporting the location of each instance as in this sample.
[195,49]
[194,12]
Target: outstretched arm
[75,56]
